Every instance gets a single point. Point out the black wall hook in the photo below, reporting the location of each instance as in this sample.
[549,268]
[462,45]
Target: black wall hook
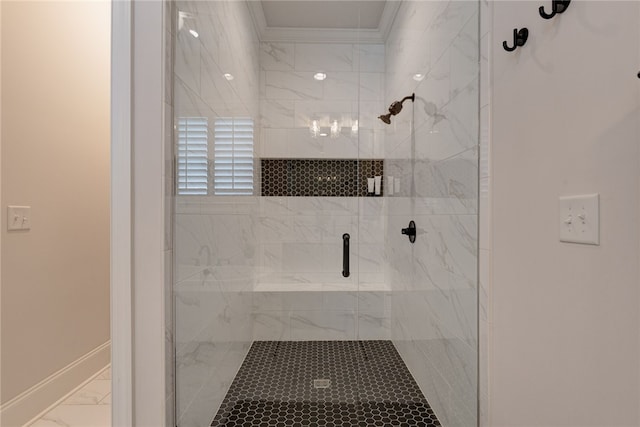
[558,6]
[519,39]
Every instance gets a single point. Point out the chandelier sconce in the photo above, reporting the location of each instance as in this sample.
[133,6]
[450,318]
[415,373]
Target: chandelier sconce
[314,128]
[335,130]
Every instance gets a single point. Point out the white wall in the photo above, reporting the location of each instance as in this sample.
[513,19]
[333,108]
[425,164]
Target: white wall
[565,122]
[434,281]
[55,153]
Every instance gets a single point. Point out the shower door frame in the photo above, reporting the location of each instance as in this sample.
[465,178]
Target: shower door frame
[137,222]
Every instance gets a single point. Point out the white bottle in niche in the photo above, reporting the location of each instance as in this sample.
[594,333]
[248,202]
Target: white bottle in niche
[370,185]
[378,184]
[389,186]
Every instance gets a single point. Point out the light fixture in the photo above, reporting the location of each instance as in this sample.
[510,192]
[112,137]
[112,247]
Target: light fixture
[228,76]
[354,128]
[320,76]
[194,33]
[314,128]
[418,77]
[335,129]
[324,134]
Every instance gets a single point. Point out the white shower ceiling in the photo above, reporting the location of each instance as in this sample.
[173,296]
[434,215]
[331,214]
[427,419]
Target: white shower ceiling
[350,21]
[362,14]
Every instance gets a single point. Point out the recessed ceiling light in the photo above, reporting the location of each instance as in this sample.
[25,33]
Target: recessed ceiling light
[418,77]
[320,76]
[194,33]
[228,76]
[324,134]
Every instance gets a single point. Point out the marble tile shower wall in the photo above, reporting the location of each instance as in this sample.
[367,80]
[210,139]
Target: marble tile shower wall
[290,99]
[215,249]
[435,176]
[301,293]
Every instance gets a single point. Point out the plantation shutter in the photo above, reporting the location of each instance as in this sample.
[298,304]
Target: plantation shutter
[233,156]
[192,156]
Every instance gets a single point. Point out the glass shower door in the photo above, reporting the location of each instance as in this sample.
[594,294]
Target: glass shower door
[431,174]
[297,298]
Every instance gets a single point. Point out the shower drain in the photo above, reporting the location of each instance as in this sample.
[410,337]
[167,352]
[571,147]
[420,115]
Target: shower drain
[321,383]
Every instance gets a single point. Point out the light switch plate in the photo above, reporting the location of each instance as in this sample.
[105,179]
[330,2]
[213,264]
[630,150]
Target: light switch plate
[19,218]
[580,219]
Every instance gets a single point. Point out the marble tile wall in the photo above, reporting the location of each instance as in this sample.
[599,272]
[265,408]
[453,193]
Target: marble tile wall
[301,293]
[434,171]
[215,243]
[290,99]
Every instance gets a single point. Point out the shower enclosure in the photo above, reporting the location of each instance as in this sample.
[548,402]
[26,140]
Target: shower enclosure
[299,296]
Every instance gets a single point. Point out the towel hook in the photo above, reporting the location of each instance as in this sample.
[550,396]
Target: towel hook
[519,39]
[558,6]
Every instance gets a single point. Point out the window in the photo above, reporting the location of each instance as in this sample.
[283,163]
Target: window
[233,156]
[192,156]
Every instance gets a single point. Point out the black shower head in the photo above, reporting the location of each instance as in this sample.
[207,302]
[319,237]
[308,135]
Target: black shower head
[386,118]
[395,108]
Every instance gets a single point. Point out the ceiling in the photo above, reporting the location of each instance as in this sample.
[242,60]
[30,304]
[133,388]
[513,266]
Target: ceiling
[331,14]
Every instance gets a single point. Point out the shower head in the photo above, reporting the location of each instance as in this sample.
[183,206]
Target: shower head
[395,108]
[386,118]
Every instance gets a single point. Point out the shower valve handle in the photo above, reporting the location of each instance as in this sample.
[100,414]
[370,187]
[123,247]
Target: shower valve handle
[410,231]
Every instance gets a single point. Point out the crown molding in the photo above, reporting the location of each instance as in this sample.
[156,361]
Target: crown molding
[323,35]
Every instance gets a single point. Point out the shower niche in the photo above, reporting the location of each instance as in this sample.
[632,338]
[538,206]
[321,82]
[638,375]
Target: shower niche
[320,177]
[280,153]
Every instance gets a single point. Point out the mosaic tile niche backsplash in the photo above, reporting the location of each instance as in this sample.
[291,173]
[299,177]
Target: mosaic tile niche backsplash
[314,177]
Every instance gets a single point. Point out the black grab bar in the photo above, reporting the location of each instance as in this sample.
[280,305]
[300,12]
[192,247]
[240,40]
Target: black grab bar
[345,255]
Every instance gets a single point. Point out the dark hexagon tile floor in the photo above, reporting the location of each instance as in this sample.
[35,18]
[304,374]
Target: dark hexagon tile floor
[369,385]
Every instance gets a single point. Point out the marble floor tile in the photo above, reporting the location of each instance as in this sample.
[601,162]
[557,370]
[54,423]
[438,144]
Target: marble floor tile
[88,406]
[76,416]
[90,394]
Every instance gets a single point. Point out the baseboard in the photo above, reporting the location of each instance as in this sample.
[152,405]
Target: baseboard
[28,404]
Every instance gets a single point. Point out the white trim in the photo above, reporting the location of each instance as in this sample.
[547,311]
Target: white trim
[321,35]
[30,403]
[149,392]
[121,224]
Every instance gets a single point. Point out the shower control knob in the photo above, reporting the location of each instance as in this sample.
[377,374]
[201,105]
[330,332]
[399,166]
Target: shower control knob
[410,231]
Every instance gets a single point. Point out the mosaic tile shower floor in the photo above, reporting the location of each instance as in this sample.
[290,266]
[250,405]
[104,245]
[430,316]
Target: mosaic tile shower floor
[369,385]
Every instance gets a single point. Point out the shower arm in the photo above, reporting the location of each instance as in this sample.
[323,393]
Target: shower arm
[412,97]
